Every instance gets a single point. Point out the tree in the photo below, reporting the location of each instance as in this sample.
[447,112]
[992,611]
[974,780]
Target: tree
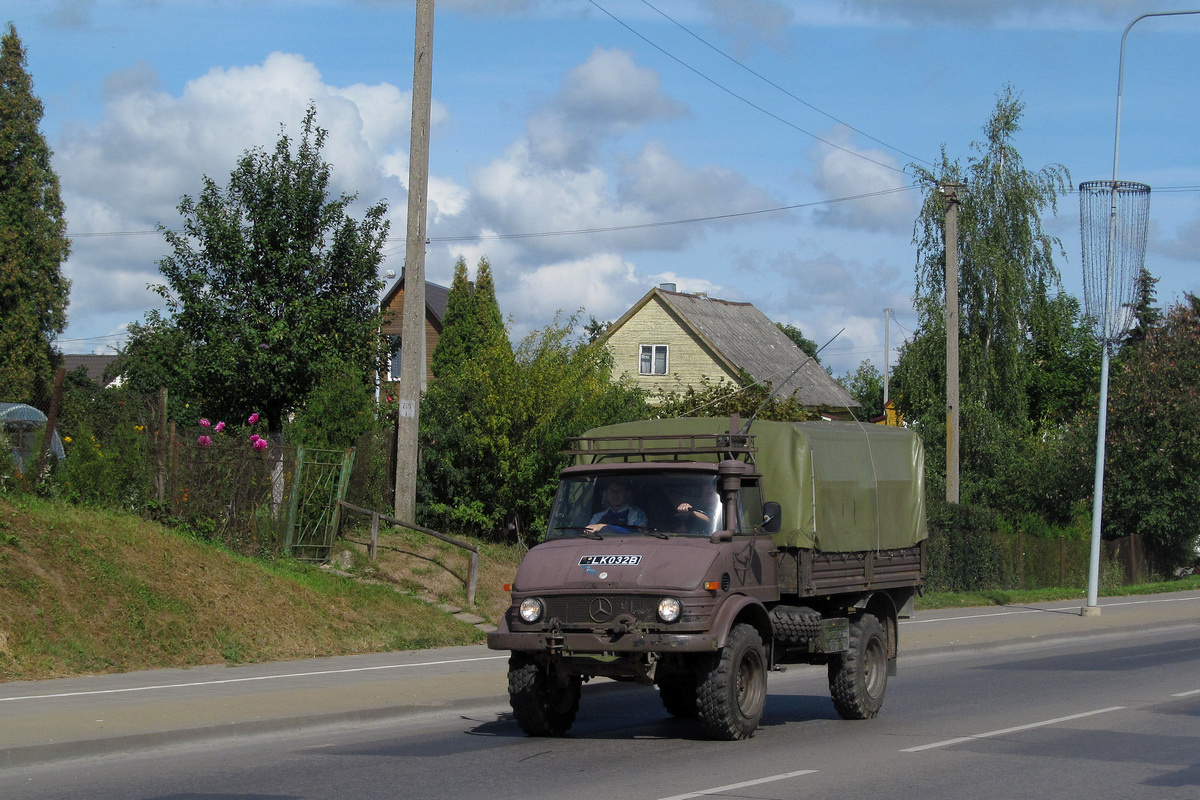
[1007,287]
[458,337]
[595,328]
[472,323]
[270,279]
[1145,314]
[748,399]
[1153,474]
[801,341]
[33,291]
[493,430]
[866,386]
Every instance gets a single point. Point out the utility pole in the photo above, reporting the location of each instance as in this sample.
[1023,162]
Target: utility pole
[950,192]
[412,341]
[887,354]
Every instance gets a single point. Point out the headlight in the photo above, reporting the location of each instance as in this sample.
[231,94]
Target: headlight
[669,609]
[531,609]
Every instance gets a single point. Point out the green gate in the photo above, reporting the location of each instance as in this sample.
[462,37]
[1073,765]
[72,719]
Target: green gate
[318,485]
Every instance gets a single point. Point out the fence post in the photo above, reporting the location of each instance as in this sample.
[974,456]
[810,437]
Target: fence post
[294,500]
[374,535]
[173,475]
[472,577]
[160,435]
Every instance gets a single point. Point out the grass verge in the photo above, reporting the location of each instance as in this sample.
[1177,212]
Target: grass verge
[85,591]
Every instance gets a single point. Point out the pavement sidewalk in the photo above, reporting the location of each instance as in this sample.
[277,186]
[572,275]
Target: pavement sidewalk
[43,721]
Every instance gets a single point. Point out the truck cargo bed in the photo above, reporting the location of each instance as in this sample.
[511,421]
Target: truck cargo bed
[811,573]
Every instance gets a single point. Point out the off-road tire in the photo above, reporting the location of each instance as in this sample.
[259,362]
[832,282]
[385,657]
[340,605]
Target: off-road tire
[678,694]
[858,677]
[733,692]
[544,705]
[795,624]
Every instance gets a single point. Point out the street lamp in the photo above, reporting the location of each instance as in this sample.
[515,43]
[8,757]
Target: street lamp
[1133,199]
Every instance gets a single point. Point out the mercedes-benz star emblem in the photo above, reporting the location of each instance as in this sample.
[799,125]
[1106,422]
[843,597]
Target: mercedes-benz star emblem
[601,609]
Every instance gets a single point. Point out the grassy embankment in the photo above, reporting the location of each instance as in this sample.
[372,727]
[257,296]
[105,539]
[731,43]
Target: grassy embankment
[84,591]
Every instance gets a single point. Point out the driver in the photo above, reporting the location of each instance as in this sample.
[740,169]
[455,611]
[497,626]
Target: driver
[618,514]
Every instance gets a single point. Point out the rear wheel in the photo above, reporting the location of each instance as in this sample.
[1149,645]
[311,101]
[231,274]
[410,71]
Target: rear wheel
[734,691]
[858,677]
[544,700]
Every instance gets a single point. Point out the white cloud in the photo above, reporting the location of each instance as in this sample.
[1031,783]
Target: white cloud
[129,171]
[847,171]
[605,96]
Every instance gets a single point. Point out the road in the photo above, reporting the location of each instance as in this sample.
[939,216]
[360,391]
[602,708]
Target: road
[1003,703]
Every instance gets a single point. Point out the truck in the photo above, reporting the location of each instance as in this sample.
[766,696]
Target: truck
[697,555]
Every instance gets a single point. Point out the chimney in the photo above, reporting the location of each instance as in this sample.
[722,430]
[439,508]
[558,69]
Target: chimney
[667,287]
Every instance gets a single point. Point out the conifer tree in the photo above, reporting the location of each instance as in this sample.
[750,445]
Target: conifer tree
[33,291]
[458,324]
[489,322]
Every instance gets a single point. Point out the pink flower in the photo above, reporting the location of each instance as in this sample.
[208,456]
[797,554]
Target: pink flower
[204,441]
[254,437]
[204,423]
[261,444]
[253,418]
[220,427]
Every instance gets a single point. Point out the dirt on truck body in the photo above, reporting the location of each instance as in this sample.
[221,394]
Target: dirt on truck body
[695,557]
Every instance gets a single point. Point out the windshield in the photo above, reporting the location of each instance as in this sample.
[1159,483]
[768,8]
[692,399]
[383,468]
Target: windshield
[651,503]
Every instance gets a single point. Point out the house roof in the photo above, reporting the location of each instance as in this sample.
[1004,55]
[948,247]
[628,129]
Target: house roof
[745,339]
[94,364]
[435,298]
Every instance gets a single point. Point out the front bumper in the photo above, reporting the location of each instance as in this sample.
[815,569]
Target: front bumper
[569,642]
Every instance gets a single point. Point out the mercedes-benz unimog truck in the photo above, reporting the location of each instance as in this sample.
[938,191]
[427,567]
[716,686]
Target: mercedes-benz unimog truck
[694,556]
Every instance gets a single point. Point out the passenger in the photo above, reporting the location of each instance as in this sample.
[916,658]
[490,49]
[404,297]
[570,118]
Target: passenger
[618,514]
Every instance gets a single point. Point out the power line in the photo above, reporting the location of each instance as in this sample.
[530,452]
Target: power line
[713,218]
[737,96]
[772,83]
[608,229]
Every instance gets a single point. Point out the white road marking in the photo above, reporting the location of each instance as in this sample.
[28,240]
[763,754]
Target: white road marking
[247,680]
[719,789]
[1044,610]
[1187,694]
[1003,731]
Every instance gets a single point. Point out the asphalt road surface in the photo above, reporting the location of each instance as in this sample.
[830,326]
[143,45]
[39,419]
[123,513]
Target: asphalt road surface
[1099,713]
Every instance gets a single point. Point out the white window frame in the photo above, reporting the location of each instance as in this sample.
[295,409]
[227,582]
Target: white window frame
[653,351]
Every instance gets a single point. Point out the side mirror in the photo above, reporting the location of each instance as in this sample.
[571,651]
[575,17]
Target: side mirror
[771,522]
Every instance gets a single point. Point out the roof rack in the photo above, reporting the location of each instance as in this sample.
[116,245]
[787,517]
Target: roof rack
[654,447]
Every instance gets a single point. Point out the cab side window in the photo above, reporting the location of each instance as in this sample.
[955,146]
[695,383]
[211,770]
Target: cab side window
[750,513]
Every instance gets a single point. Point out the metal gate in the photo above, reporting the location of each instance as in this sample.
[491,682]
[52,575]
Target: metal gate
[318,485]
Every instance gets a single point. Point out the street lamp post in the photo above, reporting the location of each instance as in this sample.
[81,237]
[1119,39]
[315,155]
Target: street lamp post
[1109,333]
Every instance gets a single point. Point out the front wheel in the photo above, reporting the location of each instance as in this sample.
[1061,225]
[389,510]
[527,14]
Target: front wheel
[858,677]
[544,700]
[733,692]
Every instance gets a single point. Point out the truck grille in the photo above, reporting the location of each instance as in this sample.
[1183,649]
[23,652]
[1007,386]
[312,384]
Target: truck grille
[592,610]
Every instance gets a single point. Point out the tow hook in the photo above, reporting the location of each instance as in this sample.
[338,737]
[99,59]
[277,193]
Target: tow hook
[556,643]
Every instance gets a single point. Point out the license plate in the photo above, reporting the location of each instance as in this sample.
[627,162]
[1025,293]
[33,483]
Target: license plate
[609,561]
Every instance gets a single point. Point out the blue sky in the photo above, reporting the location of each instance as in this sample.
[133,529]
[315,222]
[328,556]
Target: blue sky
[569,115]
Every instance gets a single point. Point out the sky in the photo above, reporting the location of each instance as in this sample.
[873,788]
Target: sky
[761,151]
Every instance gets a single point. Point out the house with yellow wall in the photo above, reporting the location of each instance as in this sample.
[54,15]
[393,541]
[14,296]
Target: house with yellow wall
[669,340]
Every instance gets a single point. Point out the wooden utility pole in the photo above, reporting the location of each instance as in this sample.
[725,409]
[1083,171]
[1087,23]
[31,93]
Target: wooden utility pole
[412,334]
[887,355]
[950,192]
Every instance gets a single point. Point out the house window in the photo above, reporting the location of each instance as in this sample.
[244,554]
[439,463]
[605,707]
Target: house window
[394,360]
[653,360]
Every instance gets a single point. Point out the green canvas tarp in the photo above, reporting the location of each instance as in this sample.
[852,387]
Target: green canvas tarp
[841,486]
